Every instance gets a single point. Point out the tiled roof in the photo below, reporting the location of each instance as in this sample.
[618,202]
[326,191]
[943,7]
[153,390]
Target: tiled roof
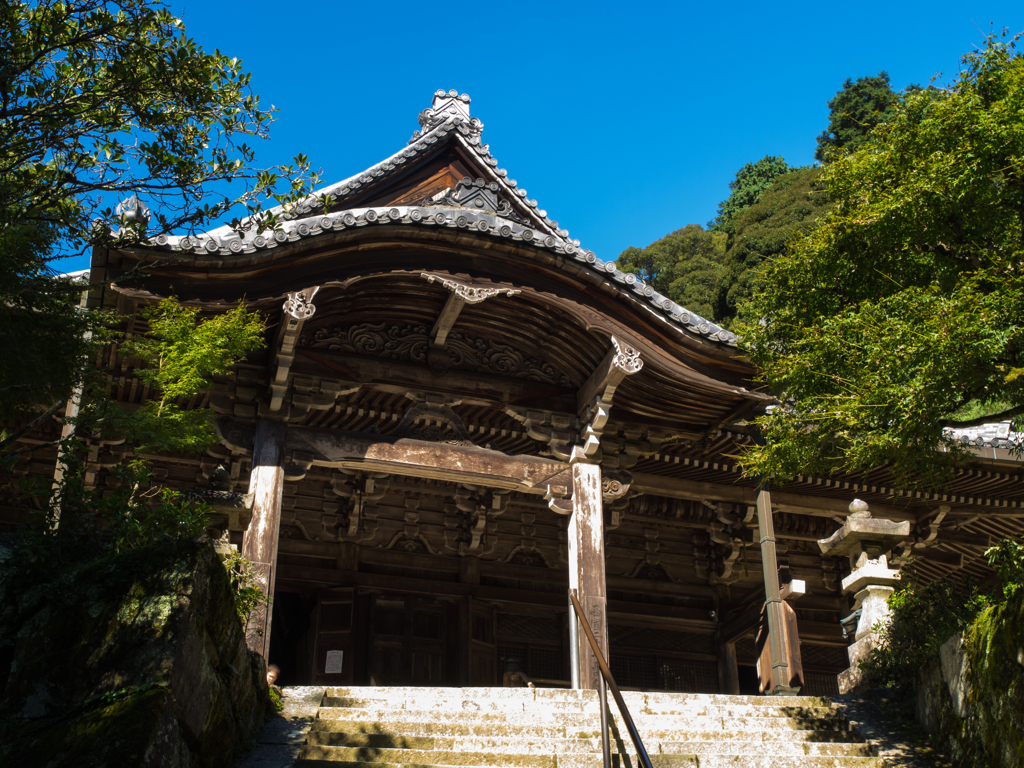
[996,435]
[446,121]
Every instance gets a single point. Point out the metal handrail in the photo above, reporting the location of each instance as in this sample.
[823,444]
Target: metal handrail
[606,675]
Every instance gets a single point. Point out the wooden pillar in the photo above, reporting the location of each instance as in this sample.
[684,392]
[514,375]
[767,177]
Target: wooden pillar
[586,564]
[465,640]
[728,669]
[777,679]
[469,573]
[260,542]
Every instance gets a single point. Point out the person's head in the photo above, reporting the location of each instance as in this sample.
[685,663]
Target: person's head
[272,673]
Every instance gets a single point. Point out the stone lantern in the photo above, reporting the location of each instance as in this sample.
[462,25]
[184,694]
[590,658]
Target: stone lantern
[867,542]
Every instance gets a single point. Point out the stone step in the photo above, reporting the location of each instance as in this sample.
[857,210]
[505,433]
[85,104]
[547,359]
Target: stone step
[644,723]
[548,728]
[426,756]
[427,730]
[560,747]
[632,698]
[548,706]
[658,761]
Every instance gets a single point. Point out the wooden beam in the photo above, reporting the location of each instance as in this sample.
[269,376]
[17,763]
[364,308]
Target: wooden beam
[331,577]
[932,555]
[795,503]
[620,361]
[413,458]
[660,616]
[420,458]
[600,377]
[462,294]
[446,320]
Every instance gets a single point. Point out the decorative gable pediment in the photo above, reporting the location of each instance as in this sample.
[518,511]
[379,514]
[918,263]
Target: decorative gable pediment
[446,177]
[475,195]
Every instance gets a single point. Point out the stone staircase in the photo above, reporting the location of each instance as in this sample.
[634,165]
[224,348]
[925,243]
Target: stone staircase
[549,728]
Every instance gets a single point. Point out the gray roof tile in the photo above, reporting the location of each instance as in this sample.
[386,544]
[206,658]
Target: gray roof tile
[448,118]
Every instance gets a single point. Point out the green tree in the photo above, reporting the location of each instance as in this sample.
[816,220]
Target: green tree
[906,304]
[103,99]
[99,101]
[184,353]
[43,343]
[854,111]
[684,265]
[750,182]
[787,209]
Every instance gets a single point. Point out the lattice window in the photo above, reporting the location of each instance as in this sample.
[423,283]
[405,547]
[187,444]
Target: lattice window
[688,676]
[746,652]
[635,671]
[654,673]
[520,652]
[534,661]
[824,656]
[660,639]
[820,685]
[545,663]
[536,627]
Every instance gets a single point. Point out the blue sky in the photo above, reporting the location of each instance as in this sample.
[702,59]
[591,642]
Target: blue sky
[624,120]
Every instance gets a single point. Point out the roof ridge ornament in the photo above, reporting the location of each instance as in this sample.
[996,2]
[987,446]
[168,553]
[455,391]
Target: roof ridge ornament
[447,105]
[470,193]
[132,212]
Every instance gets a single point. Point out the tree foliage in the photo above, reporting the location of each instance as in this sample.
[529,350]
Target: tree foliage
[922,618]
[750,182]
[854,111]
[184,352]
[43,344]
[685,266]
[102,99]
[906,303]
[787,209]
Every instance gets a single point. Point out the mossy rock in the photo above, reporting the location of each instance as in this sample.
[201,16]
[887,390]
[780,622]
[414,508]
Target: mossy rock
[161,615]
[994,644]
[983,722]
[139,728]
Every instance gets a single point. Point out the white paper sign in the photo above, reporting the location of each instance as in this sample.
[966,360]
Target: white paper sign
[333,662]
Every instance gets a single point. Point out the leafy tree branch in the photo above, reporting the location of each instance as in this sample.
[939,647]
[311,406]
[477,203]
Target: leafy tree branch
[906,303]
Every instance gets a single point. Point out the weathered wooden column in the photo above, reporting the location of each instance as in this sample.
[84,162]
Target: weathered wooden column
[728,669]
[586,564]
[260,542]
[586,526]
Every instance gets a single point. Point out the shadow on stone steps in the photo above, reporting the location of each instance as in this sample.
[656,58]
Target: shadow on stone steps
[284,735]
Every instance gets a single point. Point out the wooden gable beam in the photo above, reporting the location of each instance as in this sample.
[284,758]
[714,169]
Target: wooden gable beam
[311,446]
